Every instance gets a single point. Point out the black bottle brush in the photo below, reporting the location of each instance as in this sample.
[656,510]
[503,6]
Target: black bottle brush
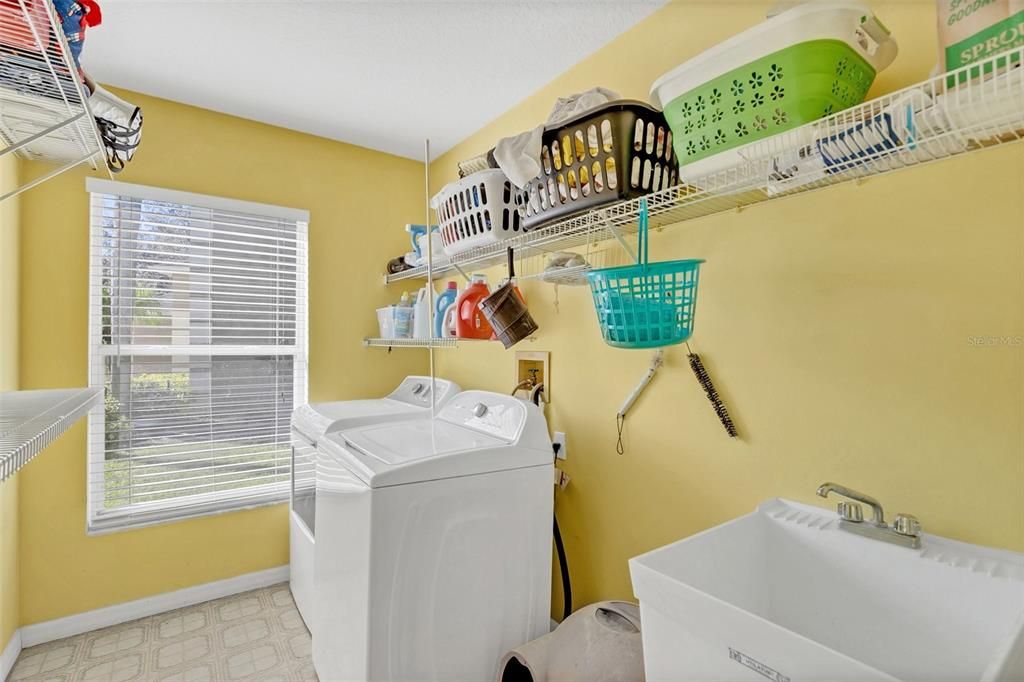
[704,379]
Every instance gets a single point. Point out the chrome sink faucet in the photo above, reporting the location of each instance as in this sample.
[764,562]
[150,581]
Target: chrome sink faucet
[905,530]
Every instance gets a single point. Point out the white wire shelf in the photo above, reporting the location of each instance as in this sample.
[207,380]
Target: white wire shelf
[31,420]
[447,342]
[953,114]
[44,112]
[411,343]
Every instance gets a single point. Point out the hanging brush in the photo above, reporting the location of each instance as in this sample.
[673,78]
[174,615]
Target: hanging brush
[704,379]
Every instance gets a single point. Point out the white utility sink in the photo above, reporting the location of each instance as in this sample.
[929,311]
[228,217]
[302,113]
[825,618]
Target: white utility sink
[784,594]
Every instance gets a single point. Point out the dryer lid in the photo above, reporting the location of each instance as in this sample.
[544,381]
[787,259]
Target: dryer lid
[409,399]
[316,419]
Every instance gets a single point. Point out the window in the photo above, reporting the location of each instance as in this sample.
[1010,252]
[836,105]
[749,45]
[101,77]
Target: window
[197,330]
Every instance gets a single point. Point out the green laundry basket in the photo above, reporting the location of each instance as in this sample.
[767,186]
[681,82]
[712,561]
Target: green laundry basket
[775,93]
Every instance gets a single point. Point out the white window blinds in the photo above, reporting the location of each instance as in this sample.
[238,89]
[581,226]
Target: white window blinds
[197,327]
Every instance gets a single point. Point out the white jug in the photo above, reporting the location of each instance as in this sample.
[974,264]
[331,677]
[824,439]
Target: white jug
[420,316]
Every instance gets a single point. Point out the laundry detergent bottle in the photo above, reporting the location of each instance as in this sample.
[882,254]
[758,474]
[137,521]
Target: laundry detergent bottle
[470,322]
[446,298]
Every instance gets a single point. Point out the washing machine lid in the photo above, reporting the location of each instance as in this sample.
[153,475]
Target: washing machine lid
[407,441]
[410,399]
[464,439]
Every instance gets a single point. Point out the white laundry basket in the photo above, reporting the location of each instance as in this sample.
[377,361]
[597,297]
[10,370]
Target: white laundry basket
[798,66]
[478,210]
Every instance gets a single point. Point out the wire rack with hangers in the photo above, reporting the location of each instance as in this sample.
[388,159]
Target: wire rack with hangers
[44,110]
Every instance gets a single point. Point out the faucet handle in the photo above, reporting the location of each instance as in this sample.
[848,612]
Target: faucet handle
[850,511]
[907,524]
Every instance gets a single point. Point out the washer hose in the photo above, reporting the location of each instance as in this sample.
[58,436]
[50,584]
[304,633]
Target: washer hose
[563,564]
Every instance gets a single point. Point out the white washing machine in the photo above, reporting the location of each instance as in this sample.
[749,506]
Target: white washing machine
[312,422]
[433,543]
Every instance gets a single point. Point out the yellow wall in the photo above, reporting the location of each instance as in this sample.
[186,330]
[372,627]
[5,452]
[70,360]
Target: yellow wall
[356,226]
[10,616]
[837,325]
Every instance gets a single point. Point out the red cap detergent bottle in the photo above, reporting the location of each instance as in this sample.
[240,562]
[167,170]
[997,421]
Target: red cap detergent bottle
[470,322]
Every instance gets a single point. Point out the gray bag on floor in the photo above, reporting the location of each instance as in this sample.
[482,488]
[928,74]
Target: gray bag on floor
[598,643]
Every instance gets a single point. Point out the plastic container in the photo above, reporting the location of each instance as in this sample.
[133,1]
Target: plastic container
[477,211]
[445,299]
[403,318]
[798,66]
[385,323]
[470,322]
[421,316]
[646,305]
[395,321]
[620,151]
[448,321]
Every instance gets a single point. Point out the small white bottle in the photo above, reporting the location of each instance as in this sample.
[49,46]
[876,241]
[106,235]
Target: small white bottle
[403,317]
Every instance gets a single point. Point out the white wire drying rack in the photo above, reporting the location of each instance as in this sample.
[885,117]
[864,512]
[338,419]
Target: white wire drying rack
[44,112]
[953,114]
[447,342]
[31,420]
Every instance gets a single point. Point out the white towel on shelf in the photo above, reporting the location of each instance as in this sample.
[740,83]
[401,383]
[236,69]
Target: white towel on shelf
[519,156]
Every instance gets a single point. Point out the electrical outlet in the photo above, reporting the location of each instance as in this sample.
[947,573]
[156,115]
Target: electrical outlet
[559,442]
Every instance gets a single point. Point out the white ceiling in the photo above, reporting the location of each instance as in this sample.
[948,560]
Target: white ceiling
[382,74]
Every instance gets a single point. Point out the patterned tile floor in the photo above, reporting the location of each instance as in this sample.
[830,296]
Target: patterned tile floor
[256,635]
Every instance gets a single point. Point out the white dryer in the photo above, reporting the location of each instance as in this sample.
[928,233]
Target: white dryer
[434,543]
[312,422]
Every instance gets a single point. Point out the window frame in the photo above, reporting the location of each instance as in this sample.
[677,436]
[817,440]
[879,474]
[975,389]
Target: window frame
[101,521]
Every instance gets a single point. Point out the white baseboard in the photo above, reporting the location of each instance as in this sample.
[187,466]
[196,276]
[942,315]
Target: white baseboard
[48,631]
[10,655]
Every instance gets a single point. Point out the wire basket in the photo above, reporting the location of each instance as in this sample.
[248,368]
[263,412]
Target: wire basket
[567,269]
[646,305]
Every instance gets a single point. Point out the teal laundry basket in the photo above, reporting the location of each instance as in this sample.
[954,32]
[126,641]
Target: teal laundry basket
[646,305]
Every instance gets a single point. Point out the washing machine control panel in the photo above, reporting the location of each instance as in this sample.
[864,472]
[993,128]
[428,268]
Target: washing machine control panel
[418,390]
[491,413]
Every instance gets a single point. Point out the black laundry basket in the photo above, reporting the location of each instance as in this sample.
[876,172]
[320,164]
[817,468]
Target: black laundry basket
[621,151]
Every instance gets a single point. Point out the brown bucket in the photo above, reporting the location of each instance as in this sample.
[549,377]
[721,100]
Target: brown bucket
[508,315]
